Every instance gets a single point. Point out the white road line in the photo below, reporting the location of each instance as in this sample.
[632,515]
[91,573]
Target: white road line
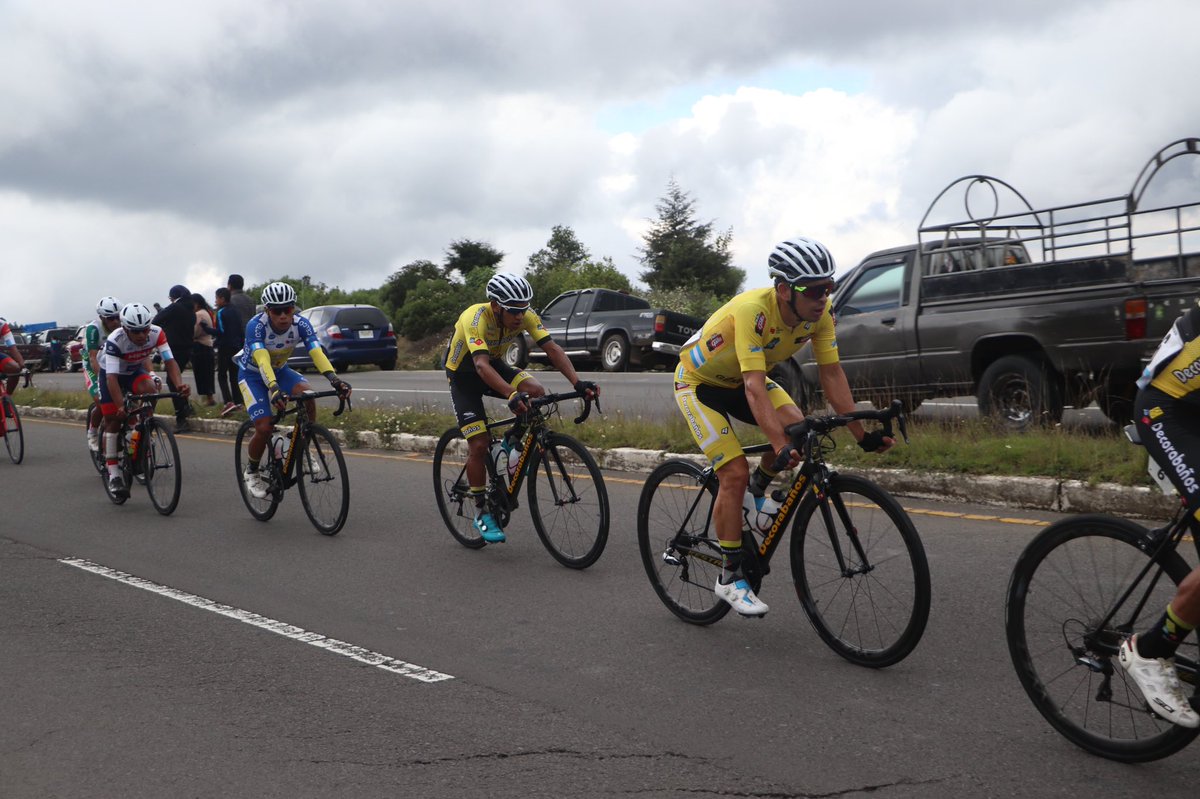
[278,627]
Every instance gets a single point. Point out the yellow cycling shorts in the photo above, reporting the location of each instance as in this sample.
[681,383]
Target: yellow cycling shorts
[707,410]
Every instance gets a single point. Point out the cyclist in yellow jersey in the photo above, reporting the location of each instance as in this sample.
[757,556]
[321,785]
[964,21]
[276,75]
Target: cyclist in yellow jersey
[474,369]
[722,372]
[1167,414]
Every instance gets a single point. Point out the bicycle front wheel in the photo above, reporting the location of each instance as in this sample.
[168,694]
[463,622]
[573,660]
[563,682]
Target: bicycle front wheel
[160,467]
[324,481]
[261,509]
[1063,586]
[452,491]
[861,573]
[679,549]
[14,434]
[568,501]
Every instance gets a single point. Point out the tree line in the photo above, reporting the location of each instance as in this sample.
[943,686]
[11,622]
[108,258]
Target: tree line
[688,268]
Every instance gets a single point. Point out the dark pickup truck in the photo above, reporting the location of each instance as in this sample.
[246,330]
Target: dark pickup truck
[611,327]
[1029,311]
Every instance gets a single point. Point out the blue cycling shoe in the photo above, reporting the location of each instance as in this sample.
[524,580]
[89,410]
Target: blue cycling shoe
[489,529]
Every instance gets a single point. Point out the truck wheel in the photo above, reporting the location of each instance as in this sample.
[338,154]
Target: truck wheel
[516,355]
[614,353]
[1019,392]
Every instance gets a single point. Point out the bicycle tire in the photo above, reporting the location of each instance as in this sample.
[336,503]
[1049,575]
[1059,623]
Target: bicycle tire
[1063,583]
[261,509]
[450,489]
[161,467]
[666,500]
[876,617]
[572,517]
[14,433]
[324,481]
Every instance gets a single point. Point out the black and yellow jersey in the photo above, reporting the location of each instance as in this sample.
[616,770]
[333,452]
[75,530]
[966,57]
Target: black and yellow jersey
[1174,368]
[747,334]
[478,330]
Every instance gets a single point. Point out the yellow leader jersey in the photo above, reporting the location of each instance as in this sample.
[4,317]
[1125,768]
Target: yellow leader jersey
[1174,368]
[478,330]
[747,334]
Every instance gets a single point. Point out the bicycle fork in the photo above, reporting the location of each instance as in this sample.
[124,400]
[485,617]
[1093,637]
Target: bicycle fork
[824,500]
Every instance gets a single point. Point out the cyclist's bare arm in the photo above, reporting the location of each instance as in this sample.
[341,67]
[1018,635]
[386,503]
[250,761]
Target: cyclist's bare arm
[837,393]
[755,383]
[492,378]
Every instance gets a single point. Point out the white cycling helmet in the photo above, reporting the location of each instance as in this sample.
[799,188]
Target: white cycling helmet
[278,294]
[800,260]
[136,316]
[509,290]
[108,307]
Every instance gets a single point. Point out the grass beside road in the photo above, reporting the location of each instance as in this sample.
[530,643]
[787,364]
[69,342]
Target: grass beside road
[969,446]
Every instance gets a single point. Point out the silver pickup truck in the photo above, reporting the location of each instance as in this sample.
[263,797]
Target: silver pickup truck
[1029,310]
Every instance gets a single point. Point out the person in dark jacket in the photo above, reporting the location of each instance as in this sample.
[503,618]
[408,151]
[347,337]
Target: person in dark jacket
[178,321]
[246,308]
[231,332]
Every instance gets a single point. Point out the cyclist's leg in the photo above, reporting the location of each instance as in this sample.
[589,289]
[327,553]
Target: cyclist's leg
[112,423]
[10,367]
[789,414]
[254,397]
[1171,434]
[94,416]
[466,397]
[703,408]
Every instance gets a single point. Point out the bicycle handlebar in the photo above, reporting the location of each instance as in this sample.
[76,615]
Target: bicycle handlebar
[550,399]
[132,400]
[801,432]
[344,403]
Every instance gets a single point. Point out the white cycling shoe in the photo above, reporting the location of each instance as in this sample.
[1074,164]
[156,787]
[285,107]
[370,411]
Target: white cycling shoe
[741,597]
[1159,684]
[255,484]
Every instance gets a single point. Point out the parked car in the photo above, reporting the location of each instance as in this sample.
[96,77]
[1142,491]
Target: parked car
[60,338]
[612,327]
[75,350]
[350,334]
[31,350]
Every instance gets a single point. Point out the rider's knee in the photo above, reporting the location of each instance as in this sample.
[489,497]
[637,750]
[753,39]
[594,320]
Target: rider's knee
[734,476]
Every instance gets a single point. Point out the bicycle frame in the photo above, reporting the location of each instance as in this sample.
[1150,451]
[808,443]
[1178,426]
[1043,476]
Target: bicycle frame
[815,476]
[288,472]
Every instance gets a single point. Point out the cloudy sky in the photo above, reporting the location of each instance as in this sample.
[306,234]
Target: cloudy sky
[144,144]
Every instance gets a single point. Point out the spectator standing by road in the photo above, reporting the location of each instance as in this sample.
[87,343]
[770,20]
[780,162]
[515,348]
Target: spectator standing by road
[245,306]
[178,322]
[231,332]
[202,349]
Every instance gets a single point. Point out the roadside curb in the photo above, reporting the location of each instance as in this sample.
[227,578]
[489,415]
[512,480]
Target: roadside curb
[1039,493]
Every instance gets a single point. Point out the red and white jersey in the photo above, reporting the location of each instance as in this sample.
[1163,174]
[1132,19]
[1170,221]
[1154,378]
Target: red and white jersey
[6,337]
[123,357]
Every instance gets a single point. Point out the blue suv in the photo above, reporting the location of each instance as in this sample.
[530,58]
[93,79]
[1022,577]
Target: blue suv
[350,334]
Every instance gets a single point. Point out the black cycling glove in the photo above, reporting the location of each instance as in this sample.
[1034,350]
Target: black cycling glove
[871,441]
[514,402]
[586,385]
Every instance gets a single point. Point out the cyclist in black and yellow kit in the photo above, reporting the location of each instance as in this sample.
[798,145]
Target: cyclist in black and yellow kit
[1168,421]
[723,372]
[474,369]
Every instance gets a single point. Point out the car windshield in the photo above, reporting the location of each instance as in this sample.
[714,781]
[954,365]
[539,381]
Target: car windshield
[360,317]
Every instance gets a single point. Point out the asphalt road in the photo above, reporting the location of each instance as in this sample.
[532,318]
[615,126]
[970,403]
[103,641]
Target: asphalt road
[644,394]
[563,683]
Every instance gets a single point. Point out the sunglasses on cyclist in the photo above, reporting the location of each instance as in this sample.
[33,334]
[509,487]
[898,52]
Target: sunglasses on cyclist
[280,310]
[516,311]
[815,292]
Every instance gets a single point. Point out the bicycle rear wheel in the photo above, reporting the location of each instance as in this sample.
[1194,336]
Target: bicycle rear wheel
[261,509]
[871,606]
[160,467]
[324,481]
[1063,585]
[568,502]
[678,547]
[96,456]
[451,489]
[14,434]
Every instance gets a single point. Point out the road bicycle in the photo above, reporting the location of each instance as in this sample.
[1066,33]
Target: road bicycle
[1080,588]
[307,456]
[857,561]
[569,504]
[11,429]
[146,454]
